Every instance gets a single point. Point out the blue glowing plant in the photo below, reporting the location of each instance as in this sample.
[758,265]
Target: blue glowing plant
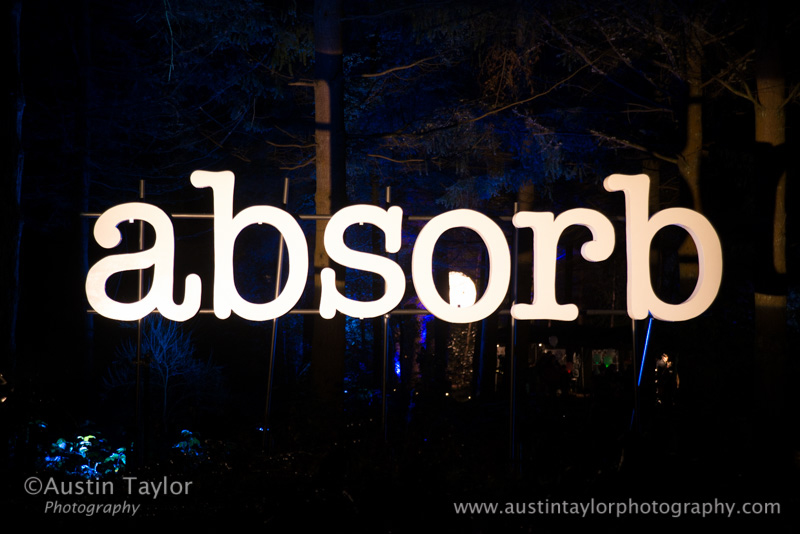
[87,456]
[190,445]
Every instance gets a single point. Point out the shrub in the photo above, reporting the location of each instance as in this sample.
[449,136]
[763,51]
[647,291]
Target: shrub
[87,456]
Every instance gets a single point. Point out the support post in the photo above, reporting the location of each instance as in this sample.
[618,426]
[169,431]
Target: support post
[267,441]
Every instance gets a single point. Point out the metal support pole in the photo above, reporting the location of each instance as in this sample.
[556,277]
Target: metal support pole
[512,379]
[384,404]
[635,415]
[138,397]
[637,400]
[266,444]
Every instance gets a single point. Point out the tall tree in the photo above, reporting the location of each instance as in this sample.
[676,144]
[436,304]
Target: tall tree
[12,217]
[762,81]
[329,335]
[770,100]
[651,67]
[650,60]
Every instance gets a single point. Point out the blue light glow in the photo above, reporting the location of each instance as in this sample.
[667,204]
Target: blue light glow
[423,329]
[644,352]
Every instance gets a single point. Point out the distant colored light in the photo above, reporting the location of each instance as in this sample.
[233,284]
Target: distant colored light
[463,292]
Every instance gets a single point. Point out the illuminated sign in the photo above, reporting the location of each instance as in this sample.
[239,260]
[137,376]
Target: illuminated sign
[547,228]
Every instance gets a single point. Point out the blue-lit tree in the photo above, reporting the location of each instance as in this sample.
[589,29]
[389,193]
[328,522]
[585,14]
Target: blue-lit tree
[180,384]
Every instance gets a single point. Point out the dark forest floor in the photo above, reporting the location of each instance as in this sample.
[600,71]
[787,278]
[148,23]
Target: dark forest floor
[570,450]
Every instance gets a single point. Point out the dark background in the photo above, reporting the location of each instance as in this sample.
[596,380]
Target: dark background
[115,94]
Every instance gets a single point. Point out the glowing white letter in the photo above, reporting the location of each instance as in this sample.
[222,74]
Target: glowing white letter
[640,232]
[546,232]
[390,221]
[161,257]
[227,227]
[499,270]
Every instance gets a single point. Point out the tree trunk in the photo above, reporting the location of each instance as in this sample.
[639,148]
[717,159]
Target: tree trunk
[12,217]
[83,136]
[770,288]
[690,158]
[327,361]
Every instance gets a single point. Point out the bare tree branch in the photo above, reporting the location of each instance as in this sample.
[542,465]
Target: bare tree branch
[525,100]
[278,145]
[300,166]
[792,96]
[398,68]
[747,94]
[635,146]
[455,124]
[396,160]
[732,66]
